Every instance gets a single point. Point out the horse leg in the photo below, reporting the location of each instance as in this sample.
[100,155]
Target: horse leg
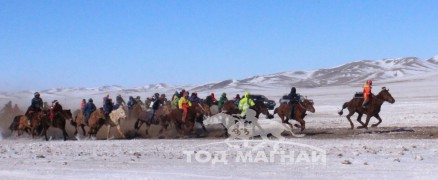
[90,132]
[108,131]
[147,129]
[378,118]
[366,123]
[302,122]
[120,131]
[45,133]
[76,130]
[203,127]
[83,129]
[359,119]
[64,132]
[138,124]
[349,116]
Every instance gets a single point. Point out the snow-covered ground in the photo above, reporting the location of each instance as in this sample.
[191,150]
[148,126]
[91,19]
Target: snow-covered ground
[364,154]
[164,159]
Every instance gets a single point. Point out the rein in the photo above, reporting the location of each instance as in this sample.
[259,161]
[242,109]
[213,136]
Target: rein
[303,107]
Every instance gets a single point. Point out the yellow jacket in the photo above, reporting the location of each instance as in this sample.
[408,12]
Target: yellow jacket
[246,100]
[182,101]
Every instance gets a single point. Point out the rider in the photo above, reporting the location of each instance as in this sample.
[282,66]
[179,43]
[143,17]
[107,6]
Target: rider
[163,98]
[367,92]
[156,103]
[108,107]
[181,94]
[211,100]
[120,100]
[175,101]
[36,106]
[184,104]
[138,100]
[54,109]
[194,98]
[88,109]
[245,103]
[237,100]
[105,99]
[83,103]
[148,102]
[293,99]
[222,100]
[131,102]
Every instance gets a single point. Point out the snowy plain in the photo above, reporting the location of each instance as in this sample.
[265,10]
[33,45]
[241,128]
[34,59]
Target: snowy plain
[357,154]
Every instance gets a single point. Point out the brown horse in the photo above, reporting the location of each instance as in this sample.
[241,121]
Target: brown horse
[160,118]
[135,111]
[230,107]
[195,113]
[35,122]
[299,112]
[57,122]
[372,109]
[20,124]
[78,122]
[96,121]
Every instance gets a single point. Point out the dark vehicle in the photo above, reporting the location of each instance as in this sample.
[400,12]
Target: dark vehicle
[260,98]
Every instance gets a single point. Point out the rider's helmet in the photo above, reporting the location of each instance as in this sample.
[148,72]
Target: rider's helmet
[90,100]
[36,94]
[369,82]
[54,101]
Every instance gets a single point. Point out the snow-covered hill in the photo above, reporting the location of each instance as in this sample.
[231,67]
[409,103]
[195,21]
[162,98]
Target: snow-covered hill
[351,73]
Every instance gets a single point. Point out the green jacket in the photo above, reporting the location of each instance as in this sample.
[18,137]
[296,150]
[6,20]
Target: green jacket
[222,101]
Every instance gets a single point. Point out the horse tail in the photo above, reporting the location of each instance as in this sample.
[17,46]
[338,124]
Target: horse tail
[15,123]
[288,128]
[343,107]
[275,111]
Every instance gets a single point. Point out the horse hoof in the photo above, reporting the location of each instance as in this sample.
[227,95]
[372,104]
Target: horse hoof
[374,125]
[362,127]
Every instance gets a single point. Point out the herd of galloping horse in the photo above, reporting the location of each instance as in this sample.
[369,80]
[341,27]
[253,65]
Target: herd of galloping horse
[197,113]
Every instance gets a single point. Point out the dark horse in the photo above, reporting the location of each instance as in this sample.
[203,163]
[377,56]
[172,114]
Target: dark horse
[160,118]
[299,112]
[372,109]
[195,113]
[57,122]
[231,108]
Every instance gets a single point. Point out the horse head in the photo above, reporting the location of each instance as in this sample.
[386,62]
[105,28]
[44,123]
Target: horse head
[386,96]
[100,113]
[121,112]
[67,114]
[308,104]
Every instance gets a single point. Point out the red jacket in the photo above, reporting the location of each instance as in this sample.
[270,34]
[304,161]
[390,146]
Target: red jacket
[366,91]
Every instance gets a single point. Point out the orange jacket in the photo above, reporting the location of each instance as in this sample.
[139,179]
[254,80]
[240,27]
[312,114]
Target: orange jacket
[366,91]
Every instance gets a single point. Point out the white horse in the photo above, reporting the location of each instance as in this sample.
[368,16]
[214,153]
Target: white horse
[251,127]
[254,126]
[115,117]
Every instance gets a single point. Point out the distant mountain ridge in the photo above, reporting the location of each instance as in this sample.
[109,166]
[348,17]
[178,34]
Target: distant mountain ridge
[350,73]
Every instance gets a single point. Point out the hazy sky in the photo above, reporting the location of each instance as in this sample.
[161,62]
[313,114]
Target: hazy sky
[47,44]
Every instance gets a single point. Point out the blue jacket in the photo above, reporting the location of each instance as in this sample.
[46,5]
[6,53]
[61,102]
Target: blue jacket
[89,108]
[108,106]
[195,99]
[37,103]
